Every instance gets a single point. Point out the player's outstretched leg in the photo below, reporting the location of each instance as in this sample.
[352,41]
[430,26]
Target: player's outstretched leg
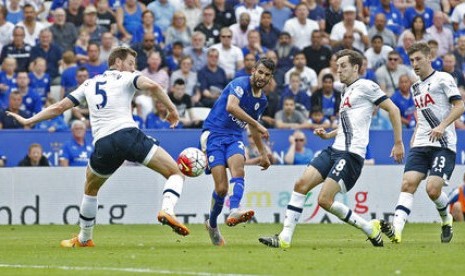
[215,235]
[446,230]
[442,202]
[171,193]
[274,241]
[170,220]
[375,236]
[389,231]
[237,216]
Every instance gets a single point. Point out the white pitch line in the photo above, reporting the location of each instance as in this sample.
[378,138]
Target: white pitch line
[122,269]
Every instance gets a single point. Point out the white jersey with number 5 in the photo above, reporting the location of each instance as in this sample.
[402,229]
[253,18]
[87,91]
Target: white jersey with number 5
[109,97]
[356,109]
[432,98]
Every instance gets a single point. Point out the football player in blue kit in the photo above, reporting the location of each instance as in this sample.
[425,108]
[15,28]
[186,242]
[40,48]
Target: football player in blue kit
[241,103]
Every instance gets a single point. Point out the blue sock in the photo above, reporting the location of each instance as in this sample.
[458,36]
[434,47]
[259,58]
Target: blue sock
[237,193]
[216,207]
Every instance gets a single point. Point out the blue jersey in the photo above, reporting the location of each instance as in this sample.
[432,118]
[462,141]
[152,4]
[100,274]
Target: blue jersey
[40,85]
[76,154]
[221,121]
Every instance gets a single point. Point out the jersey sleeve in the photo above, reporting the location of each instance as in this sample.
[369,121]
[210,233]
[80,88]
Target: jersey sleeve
[78,95]
[374,93]
[234,88]
[450,88]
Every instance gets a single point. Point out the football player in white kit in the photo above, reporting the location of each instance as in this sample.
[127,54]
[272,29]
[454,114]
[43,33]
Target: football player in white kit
[433,146]
[339,166]
[117,138]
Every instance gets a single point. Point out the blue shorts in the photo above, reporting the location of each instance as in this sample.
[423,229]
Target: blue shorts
[438,161]
[126,144]
[342,166]
[220,147]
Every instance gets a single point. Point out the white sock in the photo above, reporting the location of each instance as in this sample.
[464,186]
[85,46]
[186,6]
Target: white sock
[403,208]
[87,214]
[171,193]
[345,214]
[293,212]
[441,204]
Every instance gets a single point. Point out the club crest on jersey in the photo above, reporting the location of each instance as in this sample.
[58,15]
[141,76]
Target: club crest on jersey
[239,91]
[422,101]
[257,105]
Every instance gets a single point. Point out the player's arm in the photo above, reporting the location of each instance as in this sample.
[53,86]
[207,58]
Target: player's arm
[156,91]
[325,135]
[50,112]
[455,113]
[257,137]
[233,107]
[394,116]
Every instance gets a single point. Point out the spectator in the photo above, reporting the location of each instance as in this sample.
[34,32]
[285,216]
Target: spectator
[298,154]
[76,152]
[32,102]
[148,26]
[457,202]
[51,52]
[393,16]
[269,34]
[211,79]
[317,55]
[208,27]
[18,50]
[106,17]
[268,116]
[192,13]
[75,12]
[173,60]
[289,117]
[224,13]
[240,30]
[327,98]
[7,80]
[254,45]
[332,69]
[441,34]
[294,90]
[252,155]
[80,48]
[347,43]
[94,66]
[418,30]
[183,104]
[185,73]
[31,24]
[178,31]
[144,49]
[90,24]
[456,17]
[163,11]
[388,74]
[52,125]
[418,10]
[15,12]
[128,19]
[365,73]
[156,119]
[34,157]
[252,9]
[107,44]
[308,77]
[6,28]
[39,79]
[64,33]
[450,67]
[301,27]
[279,13]
[249,62]
[197,51]
[317,119]
[459,54]
[403,99]
[407,42]
[317,13]
[379,121]
[286,52]
[14,105]
[231,58]
[379,28]
[154,71]
[81,112]
[377,54]
[436,61]
[350,24]
[68,75]
[333,15]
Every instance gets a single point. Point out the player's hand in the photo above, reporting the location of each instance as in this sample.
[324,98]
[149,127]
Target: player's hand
[173,118]
[17,117]
[264,162]
[263,131]
[436,133]
[398,152]
[321,132]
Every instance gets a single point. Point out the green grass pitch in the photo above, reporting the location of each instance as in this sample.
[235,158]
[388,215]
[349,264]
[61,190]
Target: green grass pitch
[317,249]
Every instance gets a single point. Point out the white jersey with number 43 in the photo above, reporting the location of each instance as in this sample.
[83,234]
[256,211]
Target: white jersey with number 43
[108,97]
[357,105]
[432,98]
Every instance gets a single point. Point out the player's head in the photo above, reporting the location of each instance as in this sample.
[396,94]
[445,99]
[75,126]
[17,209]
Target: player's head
[262,72]
[122,59]
[349,63]
[420,58]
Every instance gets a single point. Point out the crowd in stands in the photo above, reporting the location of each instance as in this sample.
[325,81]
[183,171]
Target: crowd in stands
[193,48]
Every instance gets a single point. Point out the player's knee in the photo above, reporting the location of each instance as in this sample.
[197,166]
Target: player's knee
[408,186]
[433,191]
[325,201]
[300,186]
[221,191]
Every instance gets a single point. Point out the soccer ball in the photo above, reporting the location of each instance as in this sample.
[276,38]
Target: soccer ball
[192,162]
